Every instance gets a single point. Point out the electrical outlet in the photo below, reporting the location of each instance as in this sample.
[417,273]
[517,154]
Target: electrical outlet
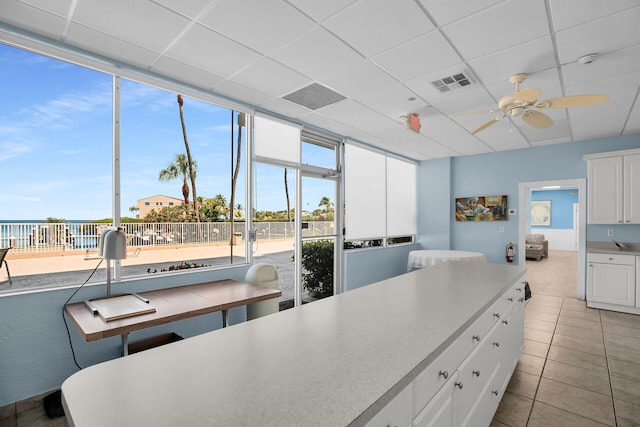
[610,232]
[501,229]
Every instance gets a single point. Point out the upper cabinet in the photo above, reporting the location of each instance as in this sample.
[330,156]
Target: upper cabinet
[613,187]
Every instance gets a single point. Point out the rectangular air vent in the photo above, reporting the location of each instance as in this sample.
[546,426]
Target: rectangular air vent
[449,83]
[314,96]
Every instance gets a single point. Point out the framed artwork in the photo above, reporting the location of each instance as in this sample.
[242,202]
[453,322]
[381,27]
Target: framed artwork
[541,213]
[481,208]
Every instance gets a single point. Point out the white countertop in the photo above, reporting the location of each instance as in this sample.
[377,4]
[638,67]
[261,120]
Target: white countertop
[610,248]
[428,257]
[332,362]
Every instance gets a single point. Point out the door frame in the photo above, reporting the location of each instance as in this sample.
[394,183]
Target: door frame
[524,197]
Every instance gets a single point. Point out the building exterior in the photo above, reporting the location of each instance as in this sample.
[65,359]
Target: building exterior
[156,202]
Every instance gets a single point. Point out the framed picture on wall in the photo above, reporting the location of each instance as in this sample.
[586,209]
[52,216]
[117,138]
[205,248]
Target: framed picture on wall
[481,208]
[541,213]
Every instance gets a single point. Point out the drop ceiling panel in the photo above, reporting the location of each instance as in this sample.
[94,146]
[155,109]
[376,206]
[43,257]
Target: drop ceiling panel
[566,15]
[560,129]
[271,77]
[529,57]
[184,72]
[503,136]
[266,25]
[359,80]
[317,54]
[321,10]
[464,100]
[134,25]
[191,9]
[241,93]
[601,36]
[395,22]
[509,24]
[420,56]
[439,128]
[211,51]
[393,101]
[34,19]
[445,12]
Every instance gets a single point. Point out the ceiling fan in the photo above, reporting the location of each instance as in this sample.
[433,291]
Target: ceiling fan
[524,103]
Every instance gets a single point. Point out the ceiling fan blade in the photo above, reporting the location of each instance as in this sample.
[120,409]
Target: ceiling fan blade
[574,101]
[487,124]
[470,113]
[528,95]
[537,119]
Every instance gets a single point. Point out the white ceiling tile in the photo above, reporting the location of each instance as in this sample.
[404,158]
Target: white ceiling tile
[503,136]
[359,80]
[320,10]
[394,22]
[448,11]
[601,36]
[529,57]
[211,52]
[241,93]
[191,8]
[187,73]
[464,100]
[443,130]
[31,18]
[266,25]
[633,123]
[627,60]
[511,23]
[357,115]
[134,25]
[317,54]
[565,14]
[284,108]
[59,7]
[420,56]
[271,78]
[393,101]
[559,130]
[85,38]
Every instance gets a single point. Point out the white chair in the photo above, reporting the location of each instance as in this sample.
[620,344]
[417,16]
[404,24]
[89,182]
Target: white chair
[264,275]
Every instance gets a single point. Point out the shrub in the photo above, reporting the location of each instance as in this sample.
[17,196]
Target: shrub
[317,268]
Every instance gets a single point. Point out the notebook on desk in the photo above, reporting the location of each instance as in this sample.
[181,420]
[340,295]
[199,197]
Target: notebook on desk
[119,307]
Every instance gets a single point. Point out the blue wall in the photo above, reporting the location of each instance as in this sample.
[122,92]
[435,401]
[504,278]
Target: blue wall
[562,202]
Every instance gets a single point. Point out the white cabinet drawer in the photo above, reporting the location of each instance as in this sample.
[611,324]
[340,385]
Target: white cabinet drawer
[395,413]
[611,258]
[440,412]
[429,381]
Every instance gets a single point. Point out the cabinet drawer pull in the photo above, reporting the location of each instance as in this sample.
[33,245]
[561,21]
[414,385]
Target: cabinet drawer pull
[519,289]
[510,299]
[476,373]
[459,384]
[476,338]
[506,322]
[494,392]
[444,374]
[496,344]
[520,299]
[496,315]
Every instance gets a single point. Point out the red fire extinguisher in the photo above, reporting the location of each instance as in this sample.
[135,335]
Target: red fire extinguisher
[511,252]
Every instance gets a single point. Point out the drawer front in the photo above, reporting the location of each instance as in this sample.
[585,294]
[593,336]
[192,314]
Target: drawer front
[395,413]
[475,372]
[429,381]
[611,259]
[485,405]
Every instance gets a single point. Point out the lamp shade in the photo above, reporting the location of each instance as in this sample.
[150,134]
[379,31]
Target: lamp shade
[113,244]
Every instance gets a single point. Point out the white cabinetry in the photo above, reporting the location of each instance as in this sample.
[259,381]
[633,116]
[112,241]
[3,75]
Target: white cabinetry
[613,187]
[611,279]
[464,384]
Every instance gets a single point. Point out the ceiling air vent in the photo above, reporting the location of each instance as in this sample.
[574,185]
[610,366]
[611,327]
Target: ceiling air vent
[449,83]
[314,96]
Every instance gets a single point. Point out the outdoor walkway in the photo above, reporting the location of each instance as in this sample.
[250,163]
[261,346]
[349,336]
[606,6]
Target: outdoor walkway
[37,272]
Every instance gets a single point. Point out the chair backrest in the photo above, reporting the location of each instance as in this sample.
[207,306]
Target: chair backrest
[3,253]
[263,274]
[535,239]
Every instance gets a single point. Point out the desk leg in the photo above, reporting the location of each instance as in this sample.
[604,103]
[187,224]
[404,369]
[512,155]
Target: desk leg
[124,338]
[224,318]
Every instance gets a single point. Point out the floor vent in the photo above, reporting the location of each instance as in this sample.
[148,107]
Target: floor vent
[449,83]
[314,96]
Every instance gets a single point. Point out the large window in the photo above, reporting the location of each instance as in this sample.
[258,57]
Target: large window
[57,145]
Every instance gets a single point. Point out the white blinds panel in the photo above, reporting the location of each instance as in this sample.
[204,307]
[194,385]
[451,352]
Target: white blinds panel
[401,198]
[364,181]
[276,140]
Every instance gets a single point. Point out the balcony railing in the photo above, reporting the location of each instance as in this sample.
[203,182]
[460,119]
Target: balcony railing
[36,237]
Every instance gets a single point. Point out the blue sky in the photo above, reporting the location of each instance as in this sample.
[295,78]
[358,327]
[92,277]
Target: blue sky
[55,143]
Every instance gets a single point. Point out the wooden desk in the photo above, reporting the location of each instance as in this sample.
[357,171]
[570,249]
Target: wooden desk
[172,304]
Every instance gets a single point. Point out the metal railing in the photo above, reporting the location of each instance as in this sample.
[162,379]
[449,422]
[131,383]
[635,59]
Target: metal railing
[36,237]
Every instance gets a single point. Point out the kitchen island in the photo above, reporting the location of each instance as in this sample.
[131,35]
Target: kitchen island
[370,356]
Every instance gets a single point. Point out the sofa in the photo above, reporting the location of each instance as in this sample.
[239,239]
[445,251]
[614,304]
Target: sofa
[536,247]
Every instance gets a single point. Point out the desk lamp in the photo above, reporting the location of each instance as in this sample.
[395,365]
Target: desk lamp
[112,245]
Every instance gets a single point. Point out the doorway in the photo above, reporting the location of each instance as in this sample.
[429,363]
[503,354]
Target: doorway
[524,227]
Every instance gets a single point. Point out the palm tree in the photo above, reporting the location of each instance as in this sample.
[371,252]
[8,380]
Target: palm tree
[178,168]
[286,192]
[241,124]
[190,163]
[326,203]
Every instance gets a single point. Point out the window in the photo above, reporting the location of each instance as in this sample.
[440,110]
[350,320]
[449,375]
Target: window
[57,137]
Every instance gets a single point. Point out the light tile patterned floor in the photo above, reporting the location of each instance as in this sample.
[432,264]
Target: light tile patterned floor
[580,367]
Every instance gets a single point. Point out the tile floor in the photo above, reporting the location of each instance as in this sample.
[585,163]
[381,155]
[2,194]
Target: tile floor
[580,367]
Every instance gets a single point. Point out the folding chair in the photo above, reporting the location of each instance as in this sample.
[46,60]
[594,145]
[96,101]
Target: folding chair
[3,254]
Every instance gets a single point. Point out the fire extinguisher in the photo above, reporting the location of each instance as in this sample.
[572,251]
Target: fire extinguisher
[511,252]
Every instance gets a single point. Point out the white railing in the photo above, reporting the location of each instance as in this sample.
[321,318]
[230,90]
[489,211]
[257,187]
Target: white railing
[28,237]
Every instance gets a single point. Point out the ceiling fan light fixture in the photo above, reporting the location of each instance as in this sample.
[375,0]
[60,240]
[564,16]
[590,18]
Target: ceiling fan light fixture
[517,111]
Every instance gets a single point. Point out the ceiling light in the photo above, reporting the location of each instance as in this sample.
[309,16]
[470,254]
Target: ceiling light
[588,59]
